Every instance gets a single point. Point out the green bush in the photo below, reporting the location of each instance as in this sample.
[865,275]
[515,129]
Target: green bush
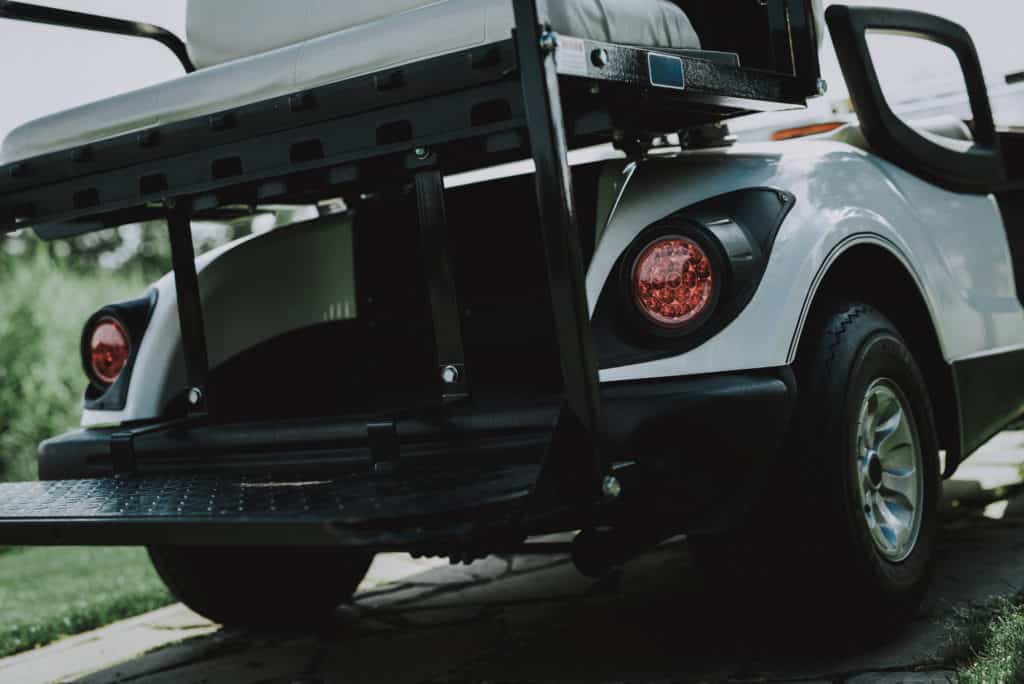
[44,306]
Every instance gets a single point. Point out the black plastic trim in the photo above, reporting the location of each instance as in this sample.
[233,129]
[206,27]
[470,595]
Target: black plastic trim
[1011,205]
[134,316]
[738,230]
[990,395]
[980,168]
[676,435]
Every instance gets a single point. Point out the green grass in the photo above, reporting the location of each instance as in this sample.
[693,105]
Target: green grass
[988,642]
[49,593]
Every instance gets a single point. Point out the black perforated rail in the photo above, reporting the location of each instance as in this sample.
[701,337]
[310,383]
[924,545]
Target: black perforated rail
[220,508]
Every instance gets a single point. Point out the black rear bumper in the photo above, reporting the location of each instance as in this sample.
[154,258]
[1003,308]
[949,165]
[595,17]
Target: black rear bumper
[688,450]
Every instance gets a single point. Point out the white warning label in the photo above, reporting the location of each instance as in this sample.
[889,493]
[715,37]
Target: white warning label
[571,56]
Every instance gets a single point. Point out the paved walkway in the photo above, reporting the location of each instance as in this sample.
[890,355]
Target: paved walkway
[537,620]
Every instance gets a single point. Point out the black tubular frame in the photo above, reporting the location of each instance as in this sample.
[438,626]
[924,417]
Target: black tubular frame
[190,306]
[583,419]
[576,464]
[407,126]
[452,373]
[22,11]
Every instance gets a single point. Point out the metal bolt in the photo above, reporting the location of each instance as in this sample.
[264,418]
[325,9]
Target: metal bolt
[450,374]
[195,396]
[611,488]
[549,42]
[822,86]
[422,153]
[600,58]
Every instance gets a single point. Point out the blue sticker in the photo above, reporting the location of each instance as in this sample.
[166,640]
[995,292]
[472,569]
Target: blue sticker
[666,71]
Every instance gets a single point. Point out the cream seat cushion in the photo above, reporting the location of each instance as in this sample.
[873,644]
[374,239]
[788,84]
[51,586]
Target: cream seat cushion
[252,50]
[225,30]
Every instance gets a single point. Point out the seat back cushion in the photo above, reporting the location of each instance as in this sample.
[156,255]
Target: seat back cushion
[221,31]
[225,30]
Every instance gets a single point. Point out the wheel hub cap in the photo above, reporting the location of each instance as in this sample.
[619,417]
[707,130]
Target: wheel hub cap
[889,470]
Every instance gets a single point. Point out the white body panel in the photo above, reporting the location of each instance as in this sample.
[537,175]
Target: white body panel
[954,246]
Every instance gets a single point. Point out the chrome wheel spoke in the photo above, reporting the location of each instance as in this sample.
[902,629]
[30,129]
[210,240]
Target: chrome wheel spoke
[888,422]
[901,482]
[896,521]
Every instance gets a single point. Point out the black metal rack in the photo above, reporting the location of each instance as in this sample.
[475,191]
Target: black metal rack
[537,95]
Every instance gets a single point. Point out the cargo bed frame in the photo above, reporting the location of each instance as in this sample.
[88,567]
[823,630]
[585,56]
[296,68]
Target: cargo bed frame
[537,95]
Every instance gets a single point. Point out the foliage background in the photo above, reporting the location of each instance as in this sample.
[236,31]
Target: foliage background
[48,292]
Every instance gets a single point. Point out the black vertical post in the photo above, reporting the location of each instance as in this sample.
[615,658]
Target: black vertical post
[579,463]
[190,306]
[452,374]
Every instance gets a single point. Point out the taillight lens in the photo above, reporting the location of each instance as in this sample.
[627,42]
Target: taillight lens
[673,282]
[109,350]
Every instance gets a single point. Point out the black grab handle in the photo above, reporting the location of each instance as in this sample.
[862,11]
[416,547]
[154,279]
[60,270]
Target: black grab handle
[978,169]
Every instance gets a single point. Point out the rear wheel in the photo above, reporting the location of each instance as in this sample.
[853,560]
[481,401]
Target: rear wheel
[261,587]
[848,530]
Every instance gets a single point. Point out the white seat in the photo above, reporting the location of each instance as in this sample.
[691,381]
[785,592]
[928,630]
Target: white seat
[252,50]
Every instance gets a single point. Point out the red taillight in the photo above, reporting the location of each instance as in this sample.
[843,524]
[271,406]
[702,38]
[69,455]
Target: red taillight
[673,282]
[109,350]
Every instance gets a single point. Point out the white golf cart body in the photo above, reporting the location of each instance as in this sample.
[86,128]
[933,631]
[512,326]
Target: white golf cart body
[835,217]
[846,197]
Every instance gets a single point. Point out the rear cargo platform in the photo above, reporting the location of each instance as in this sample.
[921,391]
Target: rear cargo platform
[433,511]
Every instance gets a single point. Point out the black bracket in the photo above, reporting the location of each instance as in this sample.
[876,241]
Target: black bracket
[122,452]
[190,307]
[451,358]
[384,448]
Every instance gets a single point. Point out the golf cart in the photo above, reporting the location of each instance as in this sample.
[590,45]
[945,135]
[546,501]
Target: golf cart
[546,292]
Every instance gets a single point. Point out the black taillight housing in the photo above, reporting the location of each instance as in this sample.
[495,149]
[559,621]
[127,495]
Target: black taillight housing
[109,346]
[686,277]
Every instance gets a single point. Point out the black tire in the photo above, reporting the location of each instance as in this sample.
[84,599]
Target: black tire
[261,588]
[809,532]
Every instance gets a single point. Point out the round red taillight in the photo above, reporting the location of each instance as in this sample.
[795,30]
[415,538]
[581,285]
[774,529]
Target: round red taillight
[673,282]
[109,350]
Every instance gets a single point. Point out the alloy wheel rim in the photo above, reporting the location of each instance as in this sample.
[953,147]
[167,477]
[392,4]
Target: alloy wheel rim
[890,475]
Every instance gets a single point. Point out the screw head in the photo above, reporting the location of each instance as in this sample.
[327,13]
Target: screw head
[549,42]
[195,396]
[822,86]
[422,153]
[450,374]
[611,488]
[600,58]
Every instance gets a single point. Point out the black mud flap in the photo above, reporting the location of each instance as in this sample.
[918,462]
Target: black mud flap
[434,511]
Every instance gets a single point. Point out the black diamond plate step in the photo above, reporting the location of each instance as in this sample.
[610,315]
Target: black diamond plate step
[219,508]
